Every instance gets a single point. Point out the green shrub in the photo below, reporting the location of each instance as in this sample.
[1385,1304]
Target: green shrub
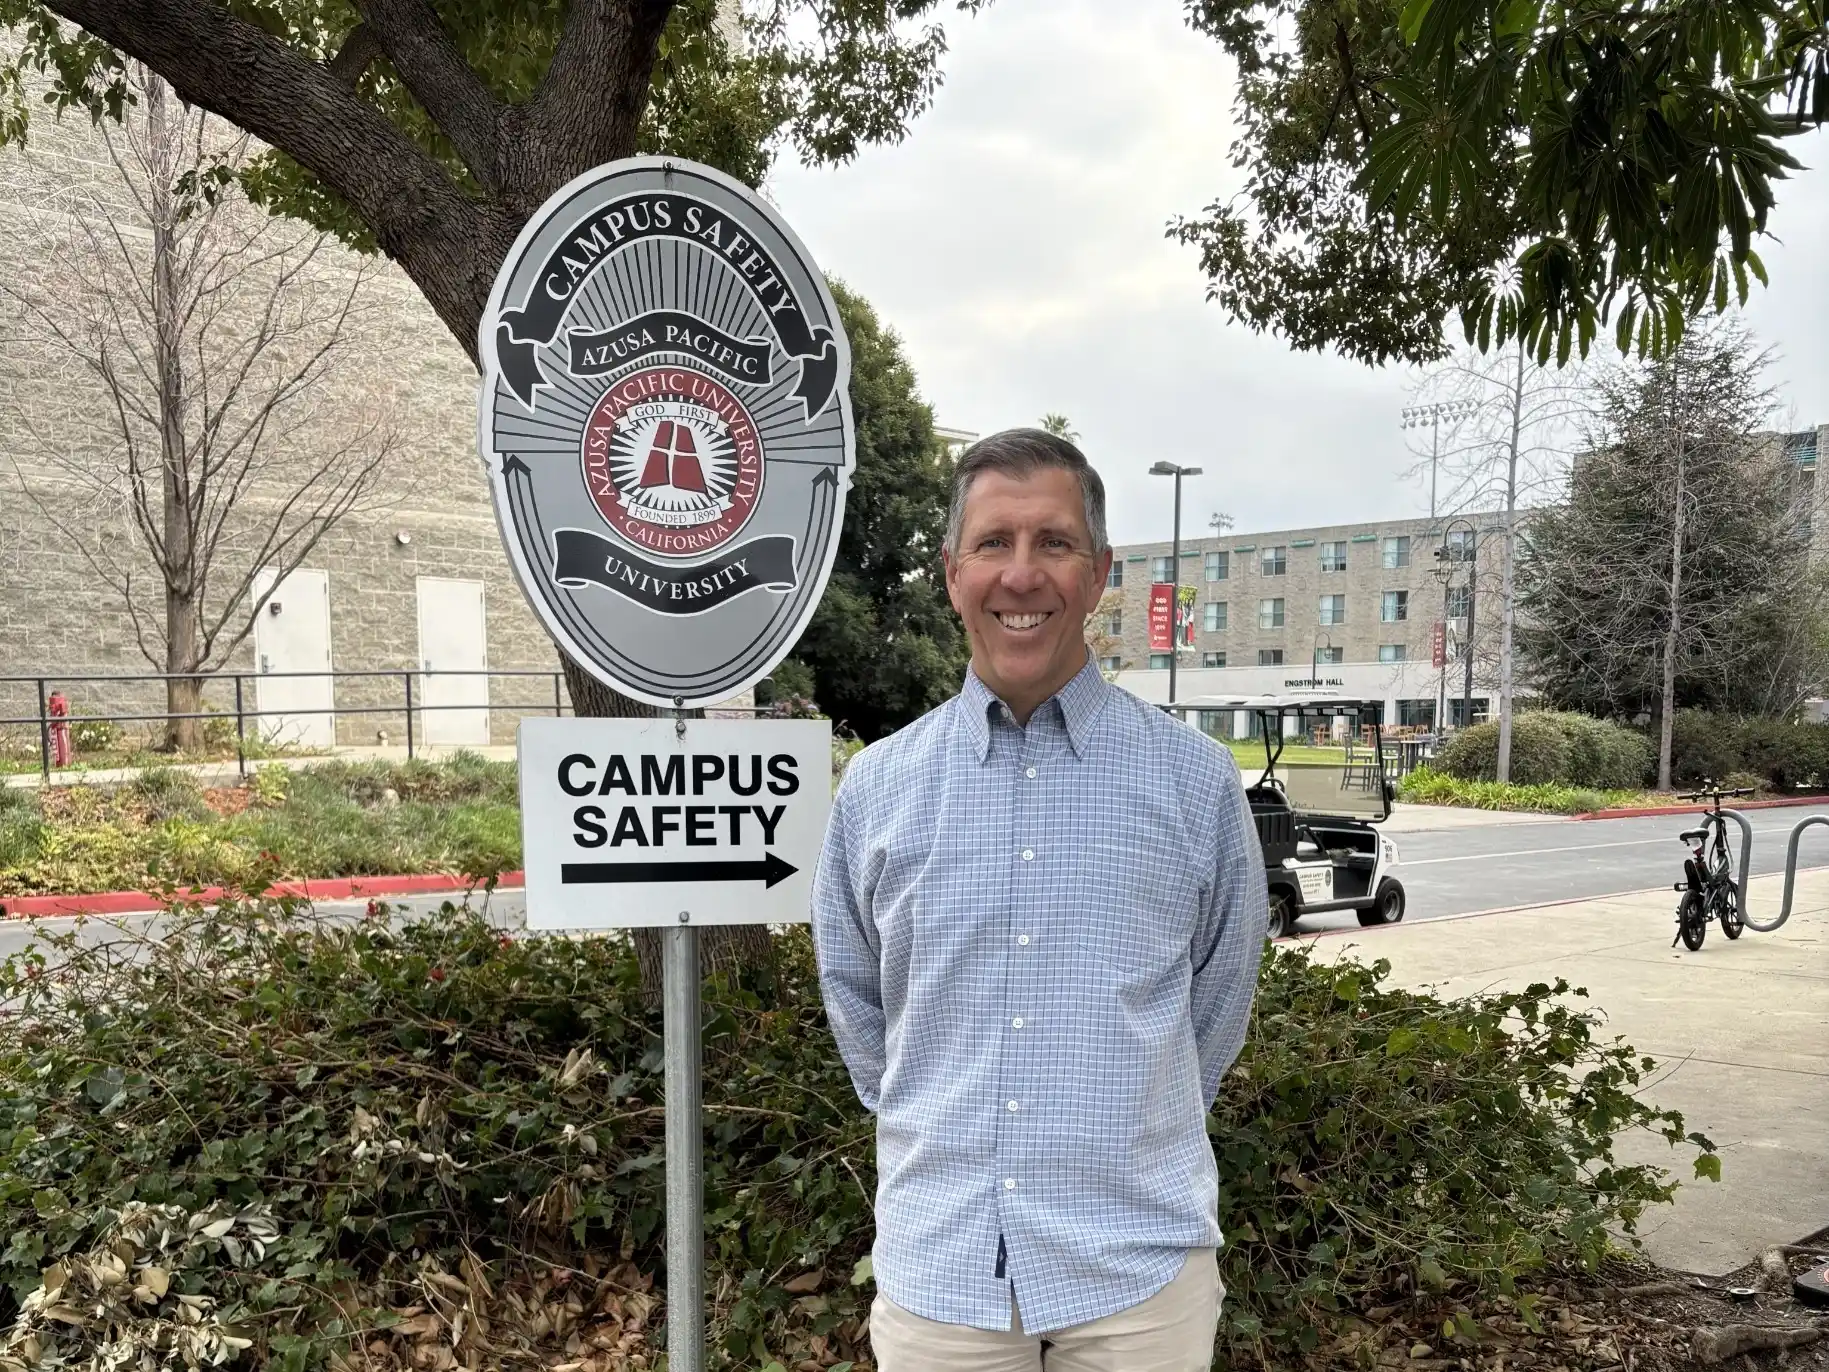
[93,735]
[1539,752]
[1554,748]
[170,793]
[1789,756]
[1602,754]
[1703,746]
[22,826]
[1747,781]
[411,1103]
[1425,786]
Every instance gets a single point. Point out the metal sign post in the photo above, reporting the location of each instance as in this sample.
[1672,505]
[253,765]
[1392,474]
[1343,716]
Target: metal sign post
[665,418]
[680,1024]
[671,824]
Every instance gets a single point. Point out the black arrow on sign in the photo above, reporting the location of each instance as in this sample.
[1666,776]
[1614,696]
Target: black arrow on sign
[768,871]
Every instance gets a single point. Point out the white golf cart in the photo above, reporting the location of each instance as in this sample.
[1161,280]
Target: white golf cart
[1316,807]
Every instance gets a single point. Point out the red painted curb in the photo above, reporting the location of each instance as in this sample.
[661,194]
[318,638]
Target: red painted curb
[1649,811]
[322,888]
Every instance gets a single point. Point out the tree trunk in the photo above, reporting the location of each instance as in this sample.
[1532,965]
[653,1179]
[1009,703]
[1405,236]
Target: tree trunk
[722,947]
[178,551]
[1668,706]
[183,694]
[1508,561]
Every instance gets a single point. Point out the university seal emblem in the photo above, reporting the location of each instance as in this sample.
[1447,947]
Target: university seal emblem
[666,426]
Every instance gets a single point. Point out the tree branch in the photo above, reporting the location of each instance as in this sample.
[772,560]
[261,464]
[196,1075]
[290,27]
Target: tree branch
[569,127]
[449,245]
[360,48]
[441,79]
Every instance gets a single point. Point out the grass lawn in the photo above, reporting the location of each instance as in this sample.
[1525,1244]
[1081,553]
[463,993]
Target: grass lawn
[335,819]
[1250,754]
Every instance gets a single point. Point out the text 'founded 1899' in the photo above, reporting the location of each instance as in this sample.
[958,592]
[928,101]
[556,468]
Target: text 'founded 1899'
[631,823]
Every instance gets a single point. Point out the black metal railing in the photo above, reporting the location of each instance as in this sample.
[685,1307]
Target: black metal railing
[410,707]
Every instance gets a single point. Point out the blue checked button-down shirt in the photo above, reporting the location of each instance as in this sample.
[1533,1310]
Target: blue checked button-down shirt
[1038,948]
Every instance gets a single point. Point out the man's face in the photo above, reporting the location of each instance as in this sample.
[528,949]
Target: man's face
[1023,579]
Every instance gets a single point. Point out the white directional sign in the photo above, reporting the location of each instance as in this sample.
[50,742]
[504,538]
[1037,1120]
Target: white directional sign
[630,822]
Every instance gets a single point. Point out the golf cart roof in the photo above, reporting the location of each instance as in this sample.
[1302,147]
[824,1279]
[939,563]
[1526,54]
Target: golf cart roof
[1304,703]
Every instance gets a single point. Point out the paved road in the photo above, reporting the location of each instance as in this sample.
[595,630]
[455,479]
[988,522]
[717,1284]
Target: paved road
[1463,869]
[1447,871]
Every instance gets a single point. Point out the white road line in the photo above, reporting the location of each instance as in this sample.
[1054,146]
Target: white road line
[1573,848]
[1534,852]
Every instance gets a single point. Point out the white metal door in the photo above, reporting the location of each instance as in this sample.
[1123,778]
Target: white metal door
[292,634]
[453,637]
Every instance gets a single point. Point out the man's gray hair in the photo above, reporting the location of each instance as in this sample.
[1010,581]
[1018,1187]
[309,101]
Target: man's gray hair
[1021,453]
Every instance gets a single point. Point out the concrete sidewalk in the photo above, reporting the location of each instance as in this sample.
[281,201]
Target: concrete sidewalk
[1740,1032]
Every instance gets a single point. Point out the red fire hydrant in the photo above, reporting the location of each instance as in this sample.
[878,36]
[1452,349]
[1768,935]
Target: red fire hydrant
[59,710]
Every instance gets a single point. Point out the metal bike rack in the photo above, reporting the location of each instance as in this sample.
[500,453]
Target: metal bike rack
[1746,863]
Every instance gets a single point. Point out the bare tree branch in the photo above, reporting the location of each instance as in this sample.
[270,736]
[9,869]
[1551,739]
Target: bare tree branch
[212,335]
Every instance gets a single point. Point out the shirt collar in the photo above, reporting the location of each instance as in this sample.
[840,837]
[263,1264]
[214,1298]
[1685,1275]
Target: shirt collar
[1078,701]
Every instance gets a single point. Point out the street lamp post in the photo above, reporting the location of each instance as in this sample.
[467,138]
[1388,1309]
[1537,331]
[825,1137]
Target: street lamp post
[1445,571]
[1314,663]
[1166,468]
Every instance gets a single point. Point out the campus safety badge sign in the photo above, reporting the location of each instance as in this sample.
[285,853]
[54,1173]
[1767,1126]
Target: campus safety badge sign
[667,428]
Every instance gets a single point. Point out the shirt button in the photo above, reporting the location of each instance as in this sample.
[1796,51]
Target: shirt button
[1009,1183]
[1016,1023]
[1012,1107]
[1030,774]
[1028,855]
[1023,939]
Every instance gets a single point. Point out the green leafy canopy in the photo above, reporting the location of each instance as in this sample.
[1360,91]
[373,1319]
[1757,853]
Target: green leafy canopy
[829,75]
[1536,169]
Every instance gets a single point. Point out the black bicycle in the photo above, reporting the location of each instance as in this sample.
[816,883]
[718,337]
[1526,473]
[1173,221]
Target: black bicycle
[1708,887]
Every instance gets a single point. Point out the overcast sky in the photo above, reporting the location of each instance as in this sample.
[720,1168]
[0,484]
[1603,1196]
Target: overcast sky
[1015,242]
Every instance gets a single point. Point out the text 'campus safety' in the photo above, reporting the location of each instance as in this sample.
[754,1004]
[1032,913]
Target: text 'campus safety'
[654,824]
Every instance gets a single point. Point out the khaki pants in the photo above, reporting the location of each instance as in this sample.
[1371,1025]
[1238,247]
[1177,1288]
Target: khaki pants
[1172,1331]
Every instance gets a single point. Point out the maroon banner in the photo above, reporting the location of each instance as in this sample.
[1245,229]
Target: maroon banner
[1438,644]
[1161,617]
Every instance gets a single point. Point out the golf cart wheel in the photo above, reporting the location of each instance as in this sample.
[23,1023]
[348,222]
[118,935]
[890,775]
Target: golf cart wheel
[1389,907]
[1282,921]
[1692,920]
[1729,906]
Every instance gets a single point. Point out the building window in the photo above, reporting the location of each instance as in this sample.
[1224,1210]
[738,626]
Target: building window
[1158,662]
[1115,577]
[1459,545]
[1394,607]
[1393,652]
[1330,655]
[1270,657]
[1416,714]
[1219,566]
[1457,711]
[1212,659]
[1114,626]
[1162,569]
[1215,619]
[1331,609]
[1397,552]
[1270,613]
[1274,561]
[1460,599]
[1215,723]
[1333,557]
[1111,664]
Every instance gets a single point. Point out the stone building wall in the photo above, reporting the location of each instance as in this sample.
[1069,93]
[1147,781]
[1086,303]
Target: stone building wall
[58,621]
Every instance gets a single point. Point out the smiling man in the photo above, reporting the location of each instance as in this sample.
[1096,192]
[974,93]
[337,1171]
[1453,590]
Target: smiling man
[1039,914]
